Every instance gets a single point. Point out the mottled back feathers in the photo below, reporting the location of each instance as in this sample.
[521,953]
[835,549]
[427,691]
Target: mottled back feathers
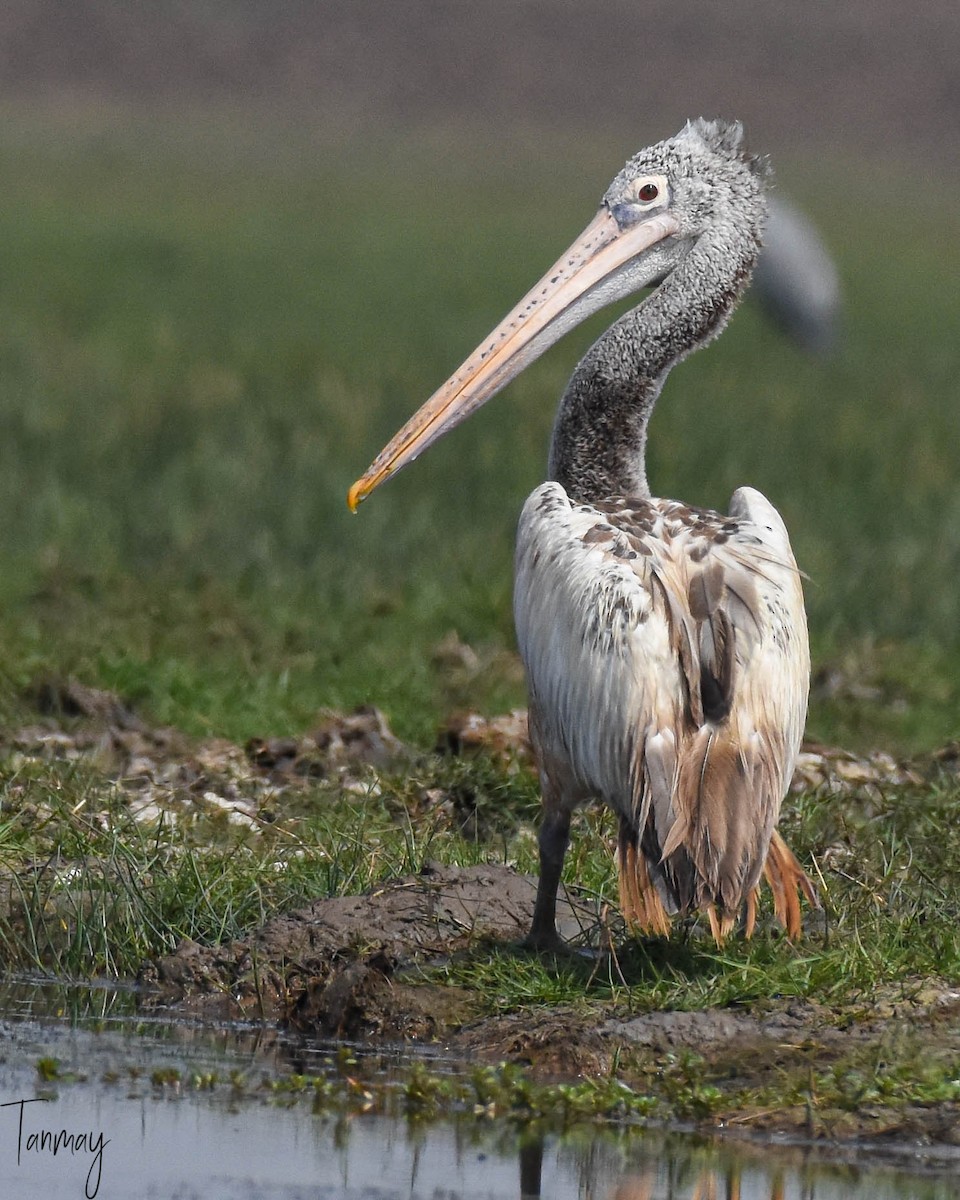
[666,654]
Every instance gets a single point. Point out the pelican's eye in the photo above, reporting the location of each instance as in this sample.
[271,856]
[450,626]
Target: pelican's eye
[650,191]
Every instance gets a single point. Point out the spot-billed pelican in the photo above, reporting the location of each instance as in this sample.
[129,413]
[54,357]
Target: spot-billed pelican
[665,646]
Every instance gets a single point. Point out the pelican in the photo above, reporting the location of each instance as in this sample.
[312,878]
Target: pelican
[665,646]
[797,282]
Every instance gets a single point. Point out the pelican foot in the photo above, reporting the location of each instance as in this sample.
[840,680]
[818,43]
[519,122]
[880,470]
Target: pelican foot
[545,941]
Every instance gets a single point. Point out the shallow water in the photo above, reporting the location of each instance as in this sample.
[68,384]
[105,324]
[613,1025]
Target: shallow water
[139,1139]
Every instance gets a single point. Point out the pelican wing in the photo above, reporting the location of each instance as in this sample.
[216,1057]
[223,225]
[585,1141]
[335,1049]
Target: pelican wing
[667,663]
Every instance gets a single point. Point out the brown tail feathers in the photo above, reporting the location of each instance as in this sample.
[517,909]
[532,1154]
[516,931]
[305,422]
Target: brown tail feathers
[640,902]
[643,909]
[787,880]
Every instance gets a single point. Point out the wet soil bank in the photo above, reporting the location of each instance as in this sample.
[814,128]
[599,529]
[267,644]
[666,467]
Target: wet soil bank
[376,966]
[360,967]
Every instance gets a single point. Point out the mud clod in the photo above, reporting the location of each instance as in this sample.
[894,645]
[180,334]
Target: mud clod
[331,958]
[380,965]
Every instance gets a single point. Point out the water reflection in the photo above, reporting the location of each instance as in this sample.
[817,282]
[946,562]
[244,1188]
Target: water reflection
[253,1143]
[665,1166]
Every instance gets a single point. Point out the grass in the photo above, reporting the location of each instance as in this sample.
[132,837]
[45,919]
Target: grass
[890,921]
[89,889]
[94,889]
[206,332]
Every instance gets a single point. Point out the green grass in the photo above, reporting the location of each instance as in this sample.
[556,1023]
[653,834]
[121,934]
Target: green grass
[890,920]
[90,889]
[87,889]
[207,331]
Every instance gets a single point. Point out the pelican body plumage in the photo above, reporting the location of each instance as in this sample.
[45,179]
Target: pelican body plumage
[665,646]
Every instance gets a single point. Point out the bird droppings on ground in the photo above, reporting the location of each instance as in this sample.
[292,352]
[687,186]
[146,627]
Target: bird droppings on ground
[164,768]
[162,773]
[338,744]
[504,738]
[838,771]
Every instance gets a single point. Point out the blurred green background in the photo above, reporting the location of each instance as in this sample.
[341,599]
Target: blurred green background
[220,293]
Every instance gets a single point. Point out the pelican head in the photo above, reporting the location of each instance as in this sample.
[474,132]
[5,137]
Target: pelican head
[698,185]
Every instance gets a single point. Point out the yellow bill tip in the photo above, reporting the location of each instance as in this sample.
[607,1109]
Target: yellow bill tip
[356,494]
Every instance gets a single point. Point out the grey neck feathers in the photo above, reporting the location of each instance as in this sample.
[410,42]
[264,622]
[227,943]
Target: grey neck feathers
[599,437]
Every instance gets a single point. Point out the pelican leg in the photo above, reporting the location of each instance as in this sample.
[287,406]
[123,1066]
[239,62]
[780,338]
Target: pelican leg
[554,839]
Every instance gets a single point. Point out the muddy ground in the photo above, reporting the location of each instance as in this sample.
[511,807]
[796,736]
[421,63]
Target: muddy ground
[358,967]
[371,966]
